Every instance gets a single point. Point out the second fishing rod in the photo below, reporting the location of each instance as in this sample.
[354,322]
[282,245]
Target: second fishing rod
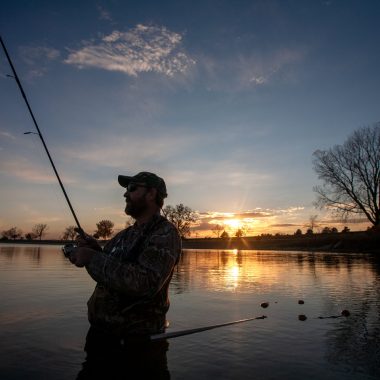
[15,76]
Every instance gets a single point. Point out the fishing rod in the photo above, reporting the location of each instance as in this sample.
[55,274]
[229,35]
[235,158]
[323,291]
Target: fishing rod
[15,76]
[176,334]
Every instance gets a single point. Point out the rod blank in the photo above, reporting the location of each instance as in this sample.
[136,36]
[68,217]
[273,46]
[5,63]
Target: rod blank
[176,334]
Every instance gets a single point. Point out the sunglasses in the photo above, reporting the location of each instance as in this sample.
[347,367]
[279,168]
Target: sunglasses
[133,187]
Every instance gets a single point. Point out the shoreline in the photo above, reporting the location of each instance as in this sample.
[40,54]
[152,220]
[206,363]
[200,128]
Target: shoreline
[351,242]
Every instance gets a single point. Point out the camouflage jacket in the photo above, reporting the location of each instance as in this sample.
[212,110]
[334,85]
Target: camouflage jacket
[133,274]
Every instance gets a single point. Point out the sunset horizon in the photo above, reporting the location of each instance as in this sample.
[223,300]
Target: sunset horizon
[227,103]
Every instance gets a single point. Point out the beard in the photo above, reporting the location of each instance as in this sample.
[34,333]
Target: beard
[136,207]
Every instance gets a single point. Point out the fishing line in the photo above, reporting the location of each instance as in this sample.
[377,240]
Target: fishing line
[15,76]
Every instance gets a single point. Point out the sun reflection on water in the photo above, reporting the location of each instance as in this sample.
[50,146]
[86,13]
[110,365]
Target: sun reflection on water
[232,277]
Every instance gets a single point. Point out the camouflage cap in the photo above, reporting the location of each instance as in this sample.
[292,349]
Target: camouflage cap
[149,179]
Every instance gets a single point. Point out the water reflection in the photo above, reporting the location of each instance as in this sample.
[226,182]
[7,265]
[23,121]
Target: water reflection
[356,342]
[243,269]
[43,315]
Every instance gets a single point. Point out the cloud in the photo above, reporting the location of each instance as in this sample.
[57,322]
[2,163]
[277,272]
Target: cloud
[38,58]
[115,151]
[286,225]
[249,215]
[103,13]
[141,49]
[254,214]
[7,135]
[27,171]
[35,54]
[239,215]
[246,70]
[259,70]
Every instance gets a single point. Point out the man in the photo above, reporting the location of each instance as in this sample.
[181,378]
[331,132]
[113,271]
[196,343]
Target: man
[133,271]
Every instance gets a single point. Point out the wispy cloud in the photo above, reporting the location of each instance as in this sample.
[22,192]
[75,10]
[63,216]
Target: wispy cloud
[257,213]
[38,58]
[103,13]
[258,69]
[33,54]
[247,70]
[115,151]
[141,49]
[285,225]
[7,135]
[27,171]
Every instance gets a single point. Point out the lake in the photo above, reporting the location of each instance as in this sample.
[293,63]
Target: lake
[43,321]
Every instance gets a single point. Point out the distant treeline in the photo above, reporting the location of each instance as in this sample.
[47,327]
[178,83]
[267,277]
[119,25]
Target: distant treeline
[363,241]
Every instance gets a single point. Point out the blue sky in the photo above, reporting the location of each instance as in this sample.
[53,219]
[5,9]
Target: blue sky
[226,100]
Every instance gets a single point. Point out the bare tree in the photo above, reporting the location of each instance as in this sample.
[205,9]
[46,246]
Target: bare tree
[181,216]
[13,233]
[104,229]
[69,233]
[39,230]
[313,223]
[351,175]
[217,230]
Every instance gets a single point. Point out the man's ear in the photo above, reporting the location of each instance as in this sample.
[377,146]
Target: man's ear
[152,193]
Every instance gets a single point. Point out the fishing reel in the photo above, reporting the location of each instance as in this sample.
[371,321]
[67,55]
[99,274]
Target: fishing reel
[68,249]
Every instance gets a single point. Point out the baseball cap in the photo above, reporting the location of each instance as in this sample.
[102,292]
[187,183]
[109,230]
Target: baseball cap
[149,179]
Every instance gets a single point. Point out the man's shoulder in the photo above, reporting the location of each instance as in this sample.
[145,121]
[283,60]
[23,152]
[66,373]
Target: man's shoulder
[165,226]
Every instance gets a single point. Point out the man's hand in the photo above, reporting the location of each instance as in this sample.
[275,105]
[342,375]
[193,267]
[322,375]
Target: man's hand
[82,256]
[85,240]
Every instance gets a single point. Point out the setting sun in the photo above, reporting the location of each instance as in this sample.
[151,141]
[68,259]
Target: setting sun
[233,223]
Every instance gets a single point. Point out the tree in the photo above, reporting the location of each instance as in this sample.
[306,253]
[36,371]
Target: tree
[30,236]
[104,229]
[39,230]
[345,230]
[351,175]
[313,223]
[309,232]
[69,233]
[239,233]
[216,230]
[13,233]
[298,232]
[181,216]
[224,235]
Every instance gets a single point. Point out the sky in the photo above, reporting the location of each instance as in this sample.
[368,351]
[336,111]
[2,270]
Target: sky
[226,100]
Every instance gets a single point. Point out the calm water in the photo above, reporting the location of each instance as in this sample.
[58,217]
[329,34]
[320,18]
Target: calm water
[43,315]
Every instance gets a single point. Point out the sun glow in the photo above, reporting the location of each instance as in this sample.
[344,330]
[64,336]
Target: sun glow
[233,223]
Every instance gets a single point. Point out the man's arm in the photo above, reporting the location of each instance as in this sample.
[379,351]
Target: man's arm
[148,274]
